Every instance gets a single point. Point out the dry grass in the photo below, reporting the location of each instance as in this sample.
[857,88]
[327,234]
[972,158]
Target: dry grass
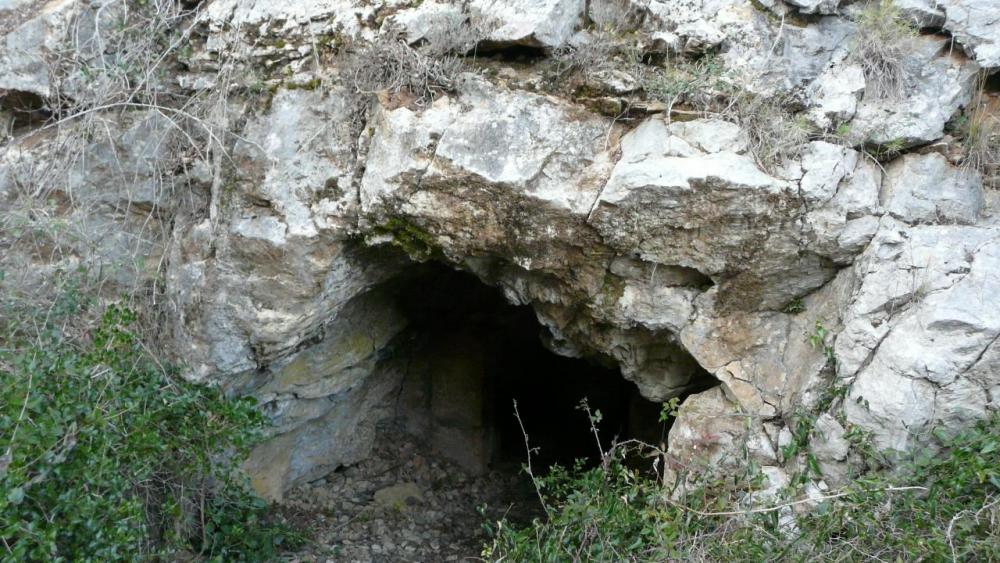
[388,64]
[980,132]
[114,70]
[606,50]
[883,40]
[774,133]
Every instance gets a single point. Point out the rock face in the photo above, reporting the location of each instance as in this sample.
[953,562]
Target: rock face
[850,282]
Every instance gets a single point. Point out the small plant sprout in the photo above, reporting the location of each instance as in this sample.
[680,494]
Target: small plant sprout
[818,340]
[668,410]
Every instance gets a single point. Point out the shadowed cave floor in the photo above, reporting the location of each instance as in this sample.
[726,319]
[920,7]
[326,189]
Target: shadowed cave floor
[404,503]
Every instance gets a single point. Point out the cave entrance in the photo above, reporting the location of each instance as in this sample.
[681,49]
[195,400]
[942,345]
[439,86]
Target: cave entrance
[471,355]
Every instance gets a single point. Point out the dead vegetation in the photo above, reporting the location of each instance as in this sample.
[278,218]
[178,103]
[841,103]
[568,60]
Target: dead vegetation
[980,134]
[883,39]
[388,64]
[115,118]
[774,133]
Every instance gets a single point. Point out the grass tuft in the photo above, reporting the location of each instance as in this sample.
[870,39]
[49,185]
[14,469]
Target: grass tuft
[883,40]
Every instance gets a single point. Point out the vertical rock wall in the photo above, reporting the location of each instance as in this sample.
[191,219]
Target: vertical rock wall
[262,199]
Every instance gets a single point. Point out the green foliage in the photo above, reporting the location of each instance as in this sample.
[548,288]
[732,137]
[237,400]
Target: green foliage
[668,411]
[794,307]
[886,151]
[106,456]
[680,81]
[952,515]
[930,508]
[819,340]
[419,244]
[843,130]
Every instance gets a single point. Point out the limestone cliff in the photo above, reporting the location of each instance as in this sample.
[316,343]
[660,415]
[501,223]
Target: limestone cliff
[676,186]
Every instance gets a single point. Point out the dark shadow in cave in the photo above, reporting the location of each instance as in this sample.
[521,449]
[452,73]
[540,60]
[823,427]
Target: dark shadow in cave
[471,354]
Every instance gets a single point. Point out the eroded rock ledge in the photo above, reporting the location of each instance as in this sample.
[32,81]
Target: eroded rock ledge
[658,240]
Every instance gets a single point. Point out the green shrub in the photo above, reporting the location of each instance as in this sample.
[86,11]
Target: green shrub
[943,507]
[106,456]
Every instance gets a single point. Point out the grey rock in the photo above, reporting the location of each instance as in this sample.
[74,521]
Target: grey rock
[660,245]
[835,94]
[927,189]
[816,6]
[922,288]
[938,84]
[534,23]
[975,24]
[923,13]
[28,35]
[430,21]
[622,15]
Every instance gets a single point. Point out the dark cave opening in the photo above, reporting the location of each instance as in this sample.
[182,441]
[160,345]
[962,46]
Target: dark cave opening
[23,109]
[472,355]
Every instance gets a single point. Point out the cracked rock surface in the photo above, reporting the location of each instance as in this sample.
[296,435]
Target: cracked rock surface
[854,279]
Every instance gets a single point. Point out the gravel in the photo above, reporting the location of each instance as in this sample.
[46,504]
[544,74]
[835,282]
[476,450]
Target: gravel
[404,503]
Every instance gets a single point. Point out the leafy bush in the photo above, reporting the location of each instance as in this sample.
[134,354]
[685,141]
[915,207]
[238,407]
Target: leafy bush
[932,508]
[106,456]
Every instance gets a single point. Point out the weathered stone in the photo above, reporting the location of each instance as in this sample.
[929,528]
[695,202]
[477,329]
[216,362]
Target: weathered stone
[399,496]
[301,164]
[976,26]
[678,196]
[938,83]
[787,57]
[450,180]
[816,6]
[28,38]
[654,202]
[341,436]
[927,189]
[923,13]
[829,442]
[619,15]
[835,94]
[922,289]
[709,431]
[533,23]
[431,21]
[666,250]
[830,448]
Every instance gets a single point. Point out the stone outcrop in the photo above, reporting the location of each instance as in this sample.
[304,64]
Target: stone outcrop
[846,284]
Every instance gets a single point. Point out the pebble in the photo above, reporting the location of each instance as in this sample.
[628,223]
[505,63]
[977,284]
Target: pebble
[402,504]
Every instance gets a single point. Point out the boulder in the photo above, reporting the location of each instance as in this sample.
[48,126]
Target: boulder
[919,341]
[925,188]
[532,23]
[975,24]
[938,84]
